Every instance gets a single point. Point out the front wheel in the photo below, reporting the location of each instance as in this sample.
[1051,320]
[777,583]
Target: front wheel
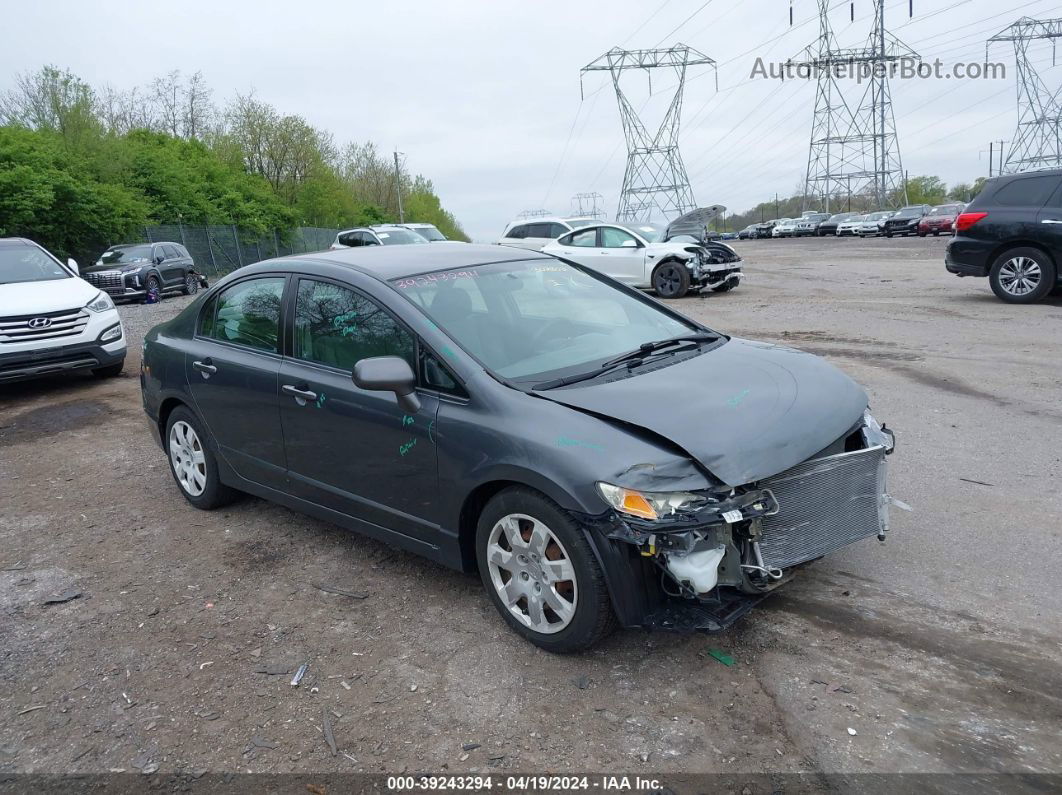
[191,284]
[540,572]
[671,280]
[192,464]
[153,283]
[1022,276]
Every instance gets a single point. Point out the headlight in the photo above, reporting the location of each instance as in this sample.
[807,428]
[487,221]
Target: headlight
[647,504]
[101,303]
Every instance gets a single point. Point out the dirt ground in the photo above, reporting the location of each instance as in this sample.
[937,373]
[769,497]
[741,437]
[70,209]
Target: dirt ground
[936,652]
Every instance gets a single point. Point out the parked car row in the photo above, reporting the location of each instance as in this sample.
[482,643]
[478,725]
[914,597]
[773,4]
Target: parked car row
[915,219]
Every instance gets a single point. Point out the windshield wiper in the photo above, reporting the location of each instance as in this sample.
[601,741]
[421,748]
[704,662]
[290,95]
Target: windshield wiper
[648,348]
[628,360]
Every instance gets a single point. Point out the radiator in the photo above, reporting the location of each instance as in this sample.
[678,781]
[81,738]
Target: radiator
[824,505]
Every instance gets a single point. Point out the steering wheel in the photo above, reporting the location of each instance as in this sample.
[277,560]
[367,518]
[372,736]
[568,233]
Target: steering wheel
[558,327]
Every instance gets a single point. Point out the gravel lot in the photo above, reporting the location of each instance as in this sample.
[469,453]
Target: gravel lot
[936,652]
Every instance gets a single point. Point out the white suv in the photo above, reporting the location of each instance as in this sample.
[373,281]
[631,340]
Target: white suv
[51,320]
[534,233]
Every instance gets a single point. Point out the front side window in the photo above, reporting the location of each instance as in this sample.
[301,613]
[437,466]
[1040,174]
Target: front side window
[19,263]
[349,239]
[541,319]
[339,327]
[617,238]
[585,239]
[248,314]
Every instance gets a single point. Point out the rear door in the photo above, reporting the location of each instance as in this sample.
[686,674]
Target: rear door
[349,449]
[232,369]
[1050,226]
[174,266]
[1017,210]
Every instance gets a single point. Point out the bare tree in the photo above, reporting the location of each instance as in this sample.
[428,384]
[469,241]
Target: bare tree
[198,110]
[50,99]
[166,94]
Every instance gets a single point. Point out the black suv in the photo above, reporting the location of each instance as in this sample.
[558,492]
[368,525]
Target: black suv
[1012,233]
[906,221]
[131,270]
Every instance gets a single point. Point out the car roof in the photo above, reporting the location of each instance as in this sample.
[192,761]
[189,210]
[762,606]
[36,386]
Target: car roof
[16,241]
[395,262]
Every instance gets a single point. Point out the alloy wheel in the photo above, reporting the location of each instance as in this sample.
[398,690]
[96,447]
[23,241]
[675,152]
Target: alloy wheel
[668,281]
[532,573]
[1019,276]
[187,458]
[191,285]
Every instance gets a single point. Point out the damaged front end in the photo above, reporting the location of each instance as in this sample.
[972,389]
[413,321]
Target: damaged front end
[705,558]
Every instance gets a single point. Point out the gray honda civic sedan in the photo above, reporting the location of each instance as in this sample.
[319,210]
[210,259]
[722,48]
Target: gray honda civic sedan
[596,456]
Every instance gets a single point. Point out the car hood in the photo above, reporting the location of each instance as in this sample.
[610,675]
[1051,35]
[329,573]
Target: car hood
[117,266]
[27,298]
[745,410]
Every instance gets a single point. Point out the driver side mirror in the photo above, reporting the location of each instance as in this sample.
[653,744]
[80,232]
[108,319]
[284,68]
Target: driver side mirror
[389,374]
[72,264]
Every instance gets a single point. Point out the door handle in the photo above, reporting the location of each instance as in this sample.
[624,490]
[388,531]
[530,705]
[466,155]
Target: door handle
[298,394]
[1051,221]
[205,367]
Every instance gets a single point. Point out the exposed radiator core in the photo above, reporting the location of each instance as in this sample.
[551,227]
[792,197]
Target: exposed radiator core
[824,505]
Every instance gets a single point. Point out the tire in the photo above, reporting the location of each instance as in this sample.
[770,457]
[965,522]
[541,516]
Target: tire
[205,490]
[671,279]
[936,234]
[152,281]
[110,371]
[923,234]
[522,513]
[888,234]
[1022,275]
[191,284]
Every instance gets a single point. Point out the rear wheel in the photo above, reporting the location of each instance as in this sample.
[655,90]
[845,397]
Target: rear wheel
[540,572]
[1022,276]
[671,280]
[192,464]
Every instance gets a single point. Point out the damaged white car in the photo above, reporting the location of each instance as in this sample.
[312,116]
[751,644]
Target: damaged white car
[671,261]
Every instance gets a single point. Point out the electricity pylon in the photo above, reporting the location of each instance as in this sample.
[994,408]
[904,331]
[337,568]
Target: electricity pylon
[586,205]
[655,176]
[854,146]
[1037,139]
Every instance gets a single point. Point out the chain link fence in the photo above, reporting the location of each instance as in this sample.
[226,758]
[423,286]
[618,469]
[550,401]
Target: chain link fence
[217,250]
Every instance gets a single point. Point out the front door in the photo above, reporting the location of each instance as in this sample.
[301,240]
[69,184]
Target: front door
[232,368]
[349,449]
[624,254]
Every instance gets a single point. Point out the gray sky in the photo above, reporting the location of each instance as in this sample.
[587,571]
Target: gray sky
[483,96]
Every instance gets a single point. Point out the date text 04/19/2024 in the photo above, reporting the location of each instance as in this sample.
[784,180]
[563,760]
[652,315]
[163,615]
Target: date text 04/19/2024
[522,783]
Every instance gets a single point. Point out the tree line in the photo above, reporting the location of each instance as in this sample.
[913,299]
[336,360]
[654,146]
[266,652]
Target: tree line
[920,190]
[84,167]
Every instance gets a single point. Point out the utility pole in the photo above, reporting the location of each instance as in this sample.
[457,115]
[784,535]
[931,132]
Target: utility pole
[1001,156]
[853,136]
[655,177]
[991,158]
[398,188]
[1038,138]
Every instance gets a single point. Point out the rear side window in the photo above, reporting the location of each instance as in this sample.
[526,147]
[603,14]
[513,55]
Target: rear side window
[340,327]
[556,230]
[1026,192]
[249,314]
[539,230]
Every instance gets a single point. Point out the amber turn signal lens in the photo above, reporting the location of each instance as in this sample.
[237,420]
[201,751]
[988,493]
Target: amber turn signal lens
[636,504]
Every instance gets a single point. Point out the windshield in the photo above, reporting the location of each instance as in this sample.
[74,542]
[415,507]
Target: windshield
[429,232]
[840,217]
[650,233]
[909,212]
[28,264]
[877,216]
[398,237]
[126,254]
[535,320]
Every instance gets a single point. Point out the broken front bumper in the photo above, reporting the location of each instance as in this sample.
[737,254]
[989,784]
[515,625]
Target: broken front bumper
[764,530]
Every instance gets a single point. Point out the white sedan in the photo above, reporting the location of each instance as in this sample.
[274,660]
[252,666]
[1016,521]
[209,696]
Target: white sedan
[641,256]
[850,226]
